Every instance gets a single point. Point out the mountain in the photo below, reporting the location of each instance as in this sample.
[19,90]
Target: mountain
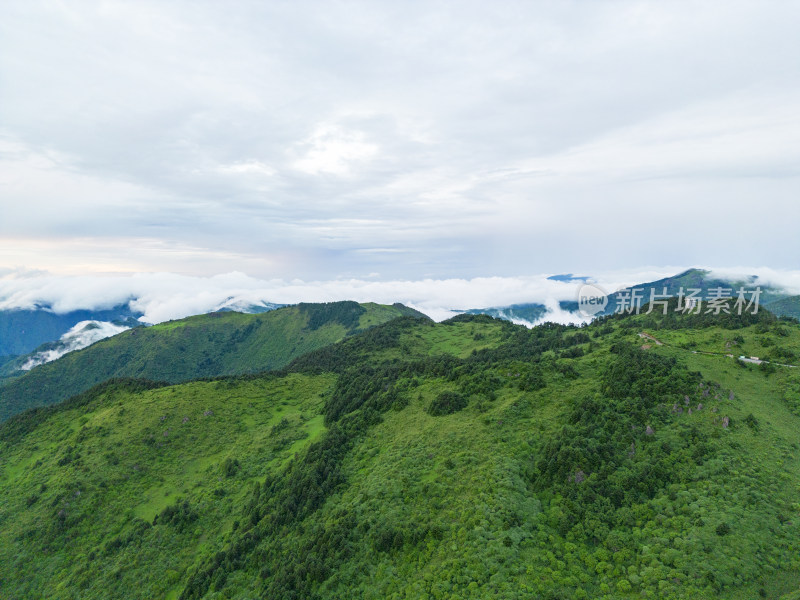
[81,335]
[772,298]
[221,343]
[530,313]
[789,306]
[569,277]
[521,313]
[22,331]
[471,458]
[41,331]
[233,304]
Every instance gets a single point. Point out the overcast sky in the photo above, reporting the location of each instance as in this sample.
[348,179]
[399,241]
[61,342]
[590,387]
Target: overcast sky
[389,141]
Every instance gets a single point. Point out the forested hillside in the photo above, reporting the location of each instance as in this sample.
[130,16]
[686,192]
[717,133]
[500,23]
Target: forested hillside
[222,343]
[468,459]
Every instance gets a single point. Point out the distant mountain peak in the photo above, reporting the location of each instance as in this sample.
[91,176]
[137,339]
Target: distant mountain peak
[569,277]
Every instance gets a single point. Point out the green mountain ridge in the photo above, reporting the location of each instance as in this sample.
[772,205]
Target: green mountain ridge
[465,459]
[223,343]
[789,306]
[774,299]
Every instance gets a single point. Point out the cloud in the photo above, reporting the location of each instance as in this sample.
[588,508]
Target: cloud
[789,281]
[83,334]
[462,140]
[333,150]
[164,296]
[253,167]
[556,314]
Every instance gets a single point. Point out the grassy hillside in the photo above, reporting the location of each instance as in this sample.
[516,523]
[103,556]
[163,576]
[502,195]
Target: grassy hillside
[100,469]
[467,459]
[223,343]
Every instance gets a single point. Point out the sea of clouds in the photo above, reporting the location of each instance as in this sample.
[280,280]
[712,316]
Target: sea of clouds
[165,296]
[162,297]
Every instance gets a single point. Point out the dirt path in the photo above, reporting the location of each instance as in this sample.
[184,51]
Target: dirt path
[647,336]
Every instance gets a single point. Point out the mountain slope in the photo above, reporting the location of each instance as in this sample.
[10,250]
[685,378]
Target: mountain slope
[522,314]
[80,336]
[22,331]
[224,343]
[515,312]
[772,298]
[776,300]
[789,307]
[466,459]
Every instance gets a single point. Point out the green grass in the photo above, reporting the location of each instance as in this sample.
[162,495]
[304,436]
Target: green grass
[134,455]
[460,339]
[223,343]
[345,486]
[747,342]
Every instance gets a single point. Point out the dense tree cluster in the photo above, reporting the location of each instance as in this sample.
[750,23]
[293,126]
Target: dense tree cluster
[604,458]
[346,313]
[446,403]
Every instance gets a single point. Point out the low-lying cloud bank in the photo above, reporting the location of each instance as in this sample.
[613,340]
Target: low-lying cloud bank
[80,336]
[164,296]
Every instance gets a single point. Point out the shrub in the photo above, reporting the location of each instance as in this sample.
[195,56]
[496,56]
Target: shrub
[180,515]
[532,381]
[574,352]
[767,368]
[230,467]
[447,403]
[752,422]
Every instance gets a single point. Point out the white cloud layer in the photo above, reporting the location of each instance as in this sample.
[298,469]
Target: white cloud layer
[164,296]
